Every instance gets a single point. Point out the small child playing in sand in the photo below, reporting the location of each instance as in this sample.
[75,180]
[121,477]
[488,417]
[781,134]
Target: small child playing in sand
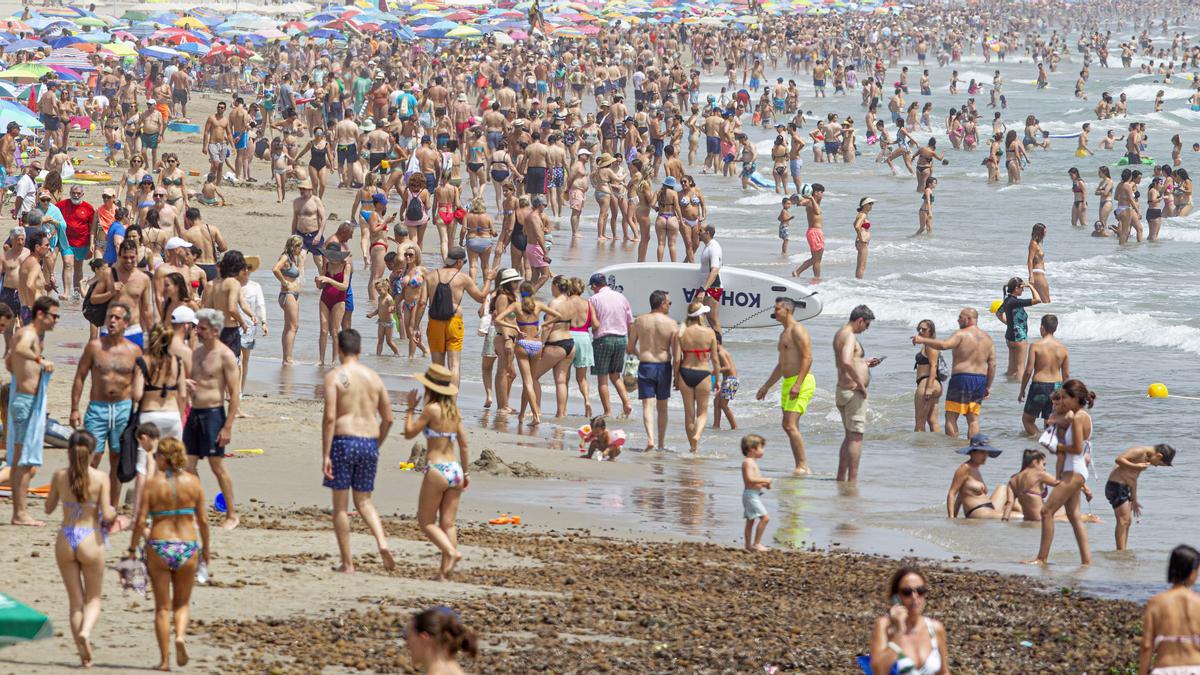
[600,439]
[785,217]
[753,447]
[385,310]
[209,195]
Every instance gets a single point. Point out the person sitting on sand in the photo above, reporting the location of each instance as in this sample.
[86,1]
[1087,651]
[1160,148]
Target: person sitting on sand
[209,195]
[753,484]
[600,439]
[968,491]
[1121,488]
[1171,622]
[435,637]
[445,478]
[904,638]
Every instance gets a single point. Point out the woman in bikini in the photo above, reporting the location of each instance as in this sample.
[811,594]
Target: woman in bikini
[1170,641]
[604,184]
[334,279]
[176,292]
[378,223]
[1154,204]
[449,212]
[479,236]
[174,500]
[128,188]
[318,161]
[1183,193]
[929,383]
[968,492]
[1014,154]
[287,271]
[527,330]
[445,477]
[508,220]
[779,165]
[695,362]
[582,357]
[905,640]
[1104,190]
[416,207]
[1035,262]
[501,168]
[925,213]
[560,344]
[1069,433]
[161,388]
[361,207]
[666,224]
[641,198]
[414,296]
[1029,488]
[172,180]
[862,235]
[478,158]
[692,213]
[1079,193]
[499,339]
[79,547]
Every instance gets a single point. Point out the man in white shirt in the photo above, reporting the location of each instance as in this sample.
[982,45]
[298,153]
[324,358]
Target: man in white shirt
[26,192]
[710,268]
[252,294]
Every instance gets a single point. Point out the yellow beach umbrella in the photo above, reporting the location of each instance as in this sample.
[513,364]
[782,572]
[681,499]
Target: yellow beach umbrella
[189,22]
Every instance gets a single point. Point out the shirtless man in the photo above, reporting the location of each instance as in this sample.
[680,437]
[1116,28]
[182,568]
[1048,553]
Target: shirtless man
[214,379]
[851,395]
[556,161]
[494,124]
[48,114]
[150,130]
[32,282]
[1049,366]
[795,160]
[206,239]
[216,140]
[239,123]
[712,136]
[110,360]
[129,286]
[445,333]
[972,373]
[652,338]
[173,262]
[225,296]
[308,220]
[26,364]
[1121,488]
[8,148]
[345,138]
[357,419]
[430,162]
[815,235]
[14,254]
[799,385]
[181,84]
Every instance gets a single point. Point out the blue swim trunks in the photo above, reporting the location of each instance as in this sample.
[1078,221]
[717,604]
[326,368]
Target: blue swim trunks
[106,421]
[354,459]
[654,381]
[965,393]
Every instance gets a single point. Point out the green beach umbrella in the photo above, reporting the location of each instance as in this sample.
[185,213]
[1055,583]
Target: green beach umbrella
[21,623]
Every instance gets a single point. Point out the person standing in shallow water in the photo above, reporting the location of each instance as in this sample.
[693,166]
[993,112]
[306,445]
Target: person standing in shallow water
[972,373]
[853,378]
[358,416]
[799,385]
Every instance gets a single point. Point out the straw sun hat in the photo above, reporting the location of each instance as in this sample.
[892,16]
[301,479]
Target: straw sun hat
[439,379]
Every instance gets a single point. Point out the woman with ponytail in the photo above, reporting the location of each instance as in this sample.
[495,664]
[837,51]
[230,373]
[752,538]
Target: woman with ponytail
[435,637]
[79,547]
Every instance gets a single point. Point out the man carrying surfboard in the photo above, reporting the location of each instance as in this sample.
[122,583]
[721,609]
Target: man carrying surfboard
[799,385]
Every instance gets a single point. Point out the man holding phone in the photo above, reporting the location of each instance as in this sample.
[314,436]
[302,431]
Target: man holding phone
[853,378]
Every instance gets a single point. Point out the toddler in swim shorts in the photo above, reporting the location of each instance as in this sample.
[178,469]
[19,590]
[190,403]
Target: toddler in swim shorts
[753,447]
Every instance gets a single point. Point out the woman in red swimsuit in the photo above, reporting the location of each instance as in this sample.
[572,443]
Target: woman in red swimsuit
[862,235]
[333,282]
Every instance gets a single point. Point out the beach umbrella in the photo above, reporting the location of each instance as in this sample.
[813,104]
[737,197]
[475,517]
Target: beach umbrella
[64,41]
[25,71]
[26,45]
[503,39]
[118,49]
[15,26]
[190,22]
[98,38]
[326,33]
[20,622]
[193,48]
[9,90]
[67,74]
[464,33]
[297,25]
[94,22]
[45,25]
[68,57]
[519,35]
[161,53]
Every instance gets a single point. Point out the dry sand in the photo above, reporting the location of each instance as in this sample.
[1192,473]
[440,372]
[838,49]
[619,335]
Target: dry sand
[541,601]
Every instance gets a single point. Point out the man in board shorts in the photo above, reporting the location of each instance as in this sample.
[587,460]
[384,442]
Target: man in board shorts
[799,385]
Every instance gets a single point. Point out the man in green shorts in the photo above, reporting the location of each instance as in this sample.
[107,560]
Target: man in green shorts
[795,362]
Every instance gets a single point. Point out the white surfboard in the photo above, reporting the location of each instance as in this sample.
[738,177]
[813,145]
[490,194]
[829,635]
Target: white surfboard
[747,300]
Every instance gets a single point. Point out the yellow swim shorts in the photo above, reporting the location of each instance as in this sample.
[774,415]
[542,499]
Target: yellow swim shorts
[445,335]
[799,404]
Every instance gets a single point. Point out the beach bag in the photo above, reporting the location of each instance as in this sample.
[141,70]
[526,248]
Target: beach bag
[93,312]
[441,306]
[414,210]
[127,461]
[405,107]
[943,370]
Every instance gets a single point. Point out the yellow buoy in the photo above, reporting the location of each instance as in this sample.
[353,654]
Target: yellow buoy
[996,305]
[1157,390]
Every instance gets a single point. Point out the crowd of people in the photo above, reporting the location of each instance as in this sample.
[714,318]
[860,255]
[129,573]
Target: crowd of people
[173,315]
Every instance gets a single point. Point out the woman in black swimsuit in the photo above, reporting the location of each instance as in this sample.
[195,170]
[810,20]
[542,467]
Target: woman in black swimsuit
[318,160]
[695,362]
[968,492]
[929,386]
[519,240]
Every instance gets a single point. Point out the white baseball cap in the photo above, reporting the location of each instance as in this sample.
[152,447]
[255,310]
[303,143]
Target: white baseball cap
[176,242]
[183,314]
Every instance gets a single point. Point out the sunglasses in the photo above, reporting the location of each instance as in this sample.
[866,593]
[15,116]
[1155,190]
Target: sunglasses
[909,592]
[409,255]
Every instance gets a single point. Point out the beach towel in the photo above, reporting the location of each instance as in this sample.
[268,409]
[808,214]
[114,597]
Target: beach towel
[32,444]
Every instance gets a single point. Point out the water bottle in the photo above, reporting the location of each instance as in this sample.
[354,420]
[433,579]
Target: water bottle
[202,573]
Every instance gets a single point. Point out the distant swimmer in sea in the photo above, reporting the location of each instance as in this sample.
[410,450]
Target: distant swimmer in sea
[968,492]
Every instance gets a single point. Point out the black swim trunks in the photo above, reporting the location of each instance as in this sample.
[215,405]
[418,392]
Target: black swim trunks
[1117,493]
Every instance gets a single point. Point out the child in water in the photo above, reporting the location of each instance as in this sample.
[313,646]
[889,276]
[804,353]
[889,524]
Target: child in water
[600,439]
[785,217]
[1121,488]
[753,447]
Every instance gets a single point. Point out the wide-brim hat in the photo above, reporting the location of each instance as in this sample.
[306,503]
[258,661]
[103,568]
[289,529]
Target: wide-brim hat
[508,276]
[253,262]
[439,379]
[335,252]
[605,159]
[982,443]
